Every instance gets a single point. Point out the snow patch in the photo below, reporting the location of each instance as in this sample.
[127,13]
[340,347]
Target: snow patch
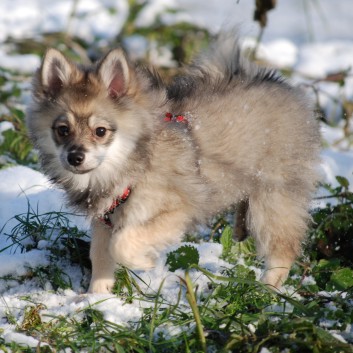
[19,264]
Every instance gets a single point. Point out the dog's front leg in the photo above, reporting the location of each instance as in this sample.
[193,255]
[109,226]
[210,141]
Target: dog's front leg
[138,246]
[103,266]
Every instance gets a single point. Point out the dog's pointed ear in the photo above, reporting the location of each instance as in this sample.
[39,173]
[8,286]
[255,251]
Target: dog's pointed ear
[115,73]
[55,72]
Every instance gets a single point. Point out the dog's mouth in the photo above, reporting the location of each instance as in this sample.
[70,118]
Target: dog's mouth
[80,171]
[77,169]
[78,162]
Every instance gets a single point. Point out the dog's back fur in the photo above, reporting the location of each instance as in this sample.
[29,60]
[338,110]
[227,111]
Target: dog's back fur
[247,136]
[249,123]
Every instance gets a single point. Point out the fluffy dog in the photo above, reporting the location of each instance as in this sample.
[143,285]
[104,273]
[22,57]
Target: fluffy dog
[147,161]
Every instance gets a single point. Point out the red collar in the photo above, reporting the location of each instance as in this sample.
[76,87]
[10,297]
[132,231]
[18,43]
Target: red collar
[117,202]
[175,118]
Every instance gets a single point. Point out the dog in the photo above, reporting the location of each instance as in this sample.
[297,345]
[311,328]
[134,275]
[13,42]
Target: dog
[147,161]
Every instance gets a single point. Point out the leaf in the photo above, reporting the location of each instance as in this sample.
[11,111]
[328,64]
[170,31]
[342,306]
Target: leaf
[327,265]
[226,240]
[341,279]
[31,317]
[342,181]
[183,258]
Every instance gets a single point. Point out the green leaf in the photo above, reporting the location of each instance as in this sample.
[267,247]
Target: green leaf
[341,279]
[328,265]
[183,258]
[226,240]
[342,181]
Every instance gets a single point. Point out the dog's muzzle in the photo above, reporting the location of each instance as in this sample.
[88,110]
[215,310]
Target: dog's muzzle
[76,158]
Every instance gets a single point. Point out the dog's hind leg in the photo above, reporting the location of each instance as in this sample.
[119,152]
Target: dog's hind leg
[240,231]
[278,220]
[103,265]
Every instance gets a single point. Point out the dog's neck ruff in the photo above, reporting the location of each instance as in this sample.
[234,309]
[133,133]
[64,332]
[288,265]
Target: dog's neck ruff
[175,118]
[117,202]
[169,117]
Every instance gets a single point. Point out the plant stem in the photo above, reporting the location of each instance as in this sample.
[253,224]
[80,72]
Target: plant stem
[190,296]
[154,315]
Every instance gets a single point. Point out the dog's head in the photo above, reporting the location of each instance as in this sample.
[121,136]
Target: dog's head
[83,116]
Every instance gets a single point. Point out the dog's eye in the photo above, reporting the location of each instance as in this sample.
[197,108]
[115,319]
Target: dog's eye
[63,130]
[101,131]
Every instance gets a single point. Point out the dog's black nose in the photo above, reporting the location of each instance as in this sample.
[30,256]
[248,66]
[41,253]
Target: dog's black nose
[76,158]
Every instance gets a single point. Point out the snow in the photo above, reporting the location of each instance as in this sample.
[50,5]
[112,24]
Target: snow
[25,63]
[4,126]
[337,163]
[264,350]
[20,338]
[318,59]
[280,53]
[285,45]
[18,265]
[30,18]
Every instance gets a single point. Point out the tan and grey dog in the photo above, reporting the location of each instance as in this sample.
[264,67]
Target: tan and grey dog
[112,134]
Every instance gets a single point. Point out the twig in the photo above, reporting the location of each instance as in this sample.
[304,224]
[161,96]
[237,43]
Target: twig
[342,195]
[71,17]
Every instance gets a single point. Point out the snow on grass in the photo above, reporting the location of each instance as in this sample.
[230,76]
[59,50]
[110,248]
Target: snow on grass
[22,187]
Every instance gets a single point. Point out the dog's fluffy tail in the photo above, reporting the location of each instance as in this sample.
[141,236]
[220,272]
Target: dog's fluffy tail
[220,65]
[224,58]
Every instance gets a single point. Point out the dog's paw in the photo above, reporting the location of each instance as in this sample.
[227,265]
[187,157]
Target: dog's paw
[102,285]
[275,277]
